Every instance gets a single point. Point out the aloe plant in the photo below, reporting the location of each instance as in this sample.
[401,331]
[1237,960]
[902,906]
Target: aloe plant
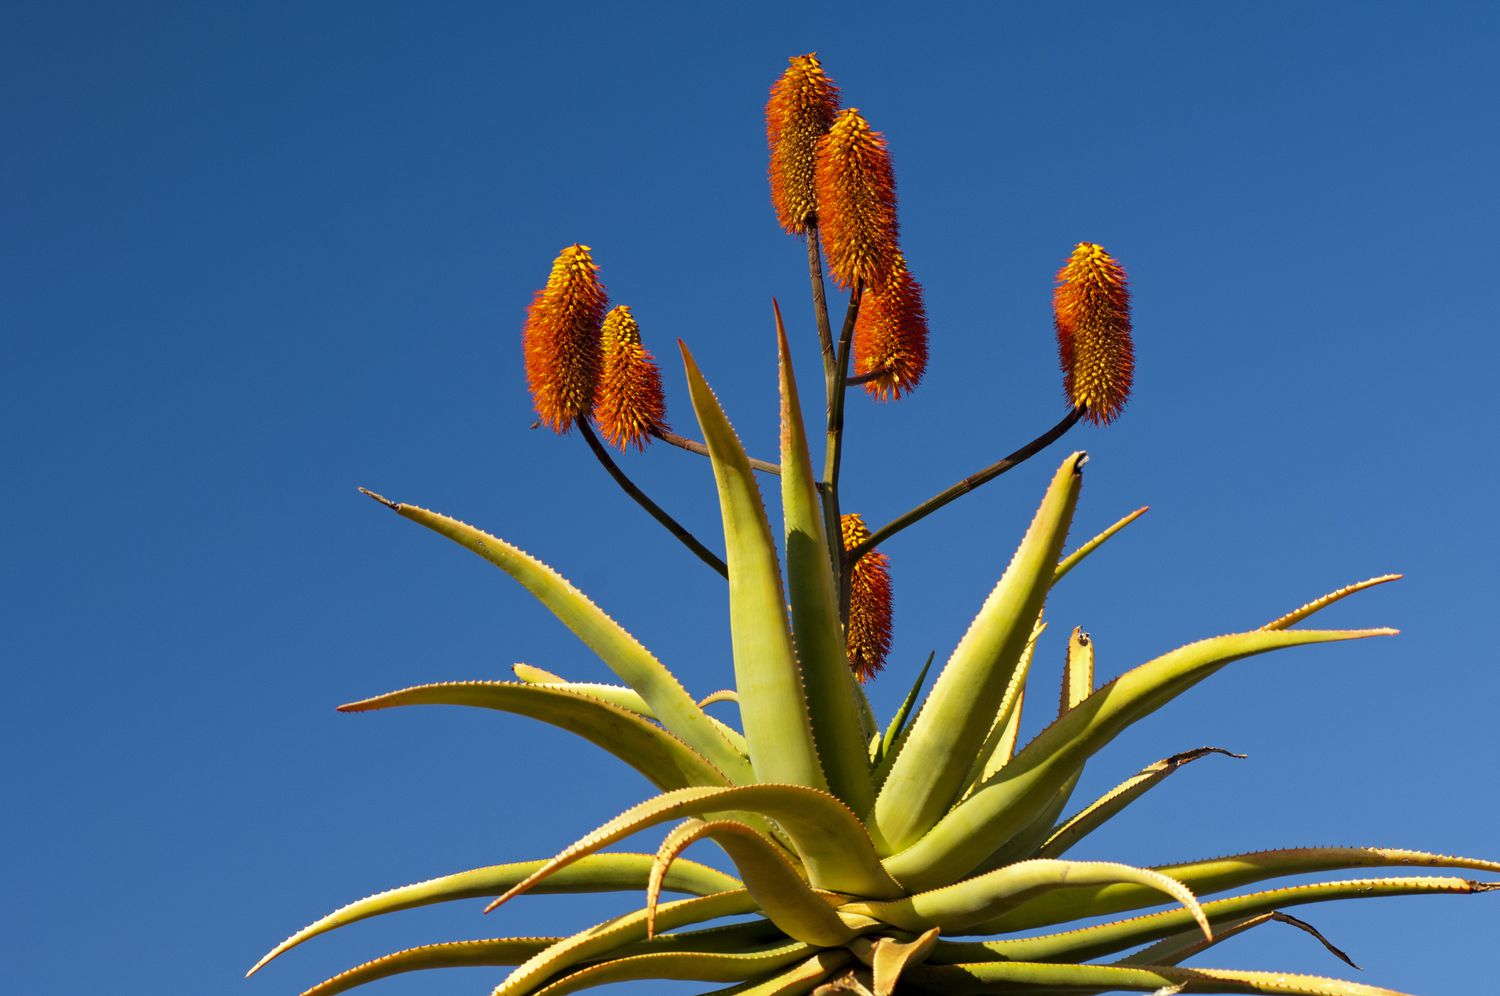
[927,855]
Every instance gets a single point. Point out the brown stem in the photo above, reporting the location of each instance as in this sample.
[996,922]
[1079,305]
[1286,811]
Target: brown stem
[693,446]
[820,299]
[963,487]
[628,486]
[863,378]
[833,451]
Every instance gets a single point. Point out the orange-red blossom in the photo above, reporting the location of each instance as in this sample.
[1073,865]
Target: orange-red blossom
[629,404]
[561,339]
[1091,308]
[868,635]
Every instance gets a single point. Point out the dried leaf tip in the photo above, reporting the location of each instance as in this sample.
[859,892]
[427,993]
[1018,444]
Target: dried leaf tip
[868,636]
[802,105]
[1091,308]
[890,335]
[857,202]
[629,405]
[561,339]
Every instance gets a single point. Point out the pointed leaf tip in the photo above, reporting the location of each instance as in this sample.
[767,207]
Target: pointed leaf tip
[380,498]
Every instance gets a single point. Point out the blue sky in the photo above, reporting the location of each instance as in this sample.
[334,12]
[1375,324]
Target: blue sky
[256,256]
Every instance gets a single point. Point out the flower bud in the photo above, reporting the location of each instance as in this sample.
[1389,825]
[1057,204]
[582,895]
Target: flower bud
[1091,308]
[868,635]
[561,339]
[856,202]
[802,105]
[629,403]
[890,335]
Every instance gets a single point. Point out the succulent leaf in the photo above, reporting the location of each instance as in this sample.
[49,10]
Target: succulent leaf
[811,588]
[796,981]
[450,954]
[827,837]
[1176,949]
[1081,554]
[976,900]
[623,653]
[1034,978]
[773,702]
[605,938]
[898,721]
[927,775]
[625,698]
[667,762]
[1121,935]
[1089,819]
[710,966]
[777,886]
[1318,605]
[1000,743]
[1220,874]
[888,957]
[1004,805]
[597,873]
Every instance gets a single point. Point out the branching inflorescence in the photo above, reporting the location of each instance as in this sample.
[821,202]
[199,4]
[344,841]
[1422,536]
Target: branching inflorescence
[926,856]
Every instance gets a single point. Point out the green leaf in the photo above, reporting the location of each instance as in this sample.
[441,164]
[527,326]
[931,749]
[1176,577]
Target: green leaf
[1318,605]
[888,957]
[1034,978]
[624,655]
[1006,803]
[666,761]
[452,954]
[1000,743]
[776,885]
[898,721]
[1105,939]
[596,873]
[626,698]
[798,980]
[1179,947]
[1081,554]
[832,693]
[1217,875]
[828,838]
[710,966]
[928,773]
[956,907]
[1093,816]
[616,934]
[773,706]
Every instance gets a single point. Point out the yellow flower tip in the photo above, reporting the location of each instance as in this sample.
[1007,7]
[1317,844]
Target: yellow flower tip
[1091,309]
[628,405]
[868,636]
[561,339]
[801,107]
[890,335]
[857,202]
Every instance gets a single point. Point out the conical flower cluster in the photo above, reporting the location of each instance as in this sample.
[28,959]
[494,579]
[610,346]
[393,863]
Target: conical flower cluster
[629,403]
[890,335]
[868,635]
[1091,307]
[856,202]
[800,111]
[561,339]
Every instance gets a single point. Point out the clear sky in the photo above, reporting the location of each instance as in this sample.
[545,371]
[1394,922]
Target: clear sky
[257,255]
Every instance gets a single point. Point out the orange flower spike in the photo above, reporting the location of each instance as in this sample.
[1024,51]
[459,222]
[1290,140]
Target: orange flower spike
[561,339]
[802,105]
[857,202]
[1091,307]
[629,404]
[868,637]
[890,335]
